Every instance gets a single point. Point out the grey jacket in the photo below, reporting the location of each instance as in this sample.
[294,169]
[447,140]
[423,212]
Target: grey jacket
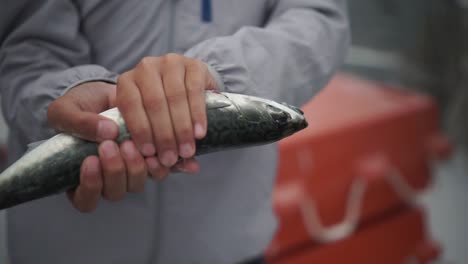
[285,50]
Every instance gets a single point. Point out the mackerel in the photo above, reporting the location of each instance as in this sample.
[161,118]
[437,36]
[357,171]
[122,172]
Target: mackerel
[234,121]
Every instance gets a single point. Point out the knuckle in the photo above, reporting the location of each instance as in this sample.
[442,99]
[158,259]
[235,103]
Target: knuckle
[172,58]
[198,65]
[147,63]
[154,104]
[202,66]
[176,97]
[123,78]
[194,87]
[125,104]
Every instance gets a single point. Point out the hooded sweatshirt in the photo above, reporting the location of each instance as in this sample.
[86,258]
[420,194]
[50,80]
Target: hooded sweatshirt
[285,50]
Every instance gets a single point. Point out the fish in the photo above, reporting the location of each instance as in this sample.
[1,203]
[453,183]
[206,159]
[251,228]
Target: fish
[233,121]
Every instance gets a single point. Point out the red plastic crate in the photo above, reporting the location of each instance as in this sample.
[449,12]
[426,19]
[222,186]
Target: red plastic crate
[397,239]
[368,149]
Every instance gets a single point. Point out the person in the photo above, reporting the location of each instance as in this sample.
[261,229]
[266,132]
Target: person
[62,62]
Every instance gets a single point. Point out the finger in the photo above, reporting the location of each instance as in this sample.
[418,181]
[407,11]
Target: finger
[64,115]
[130,104]
[195,83]
[176,96]
[136,168]
[114,172]
[190,166]
[154,100]
[86,197]
[157,171]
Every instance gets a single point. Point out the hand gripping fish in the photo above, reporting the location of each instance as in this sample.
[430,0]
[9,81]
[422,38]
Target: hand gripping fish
[234,121]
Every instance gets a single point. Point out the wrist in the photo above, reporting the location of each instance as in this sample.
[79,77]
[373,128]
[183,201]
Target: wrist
[100,87]
[99,82]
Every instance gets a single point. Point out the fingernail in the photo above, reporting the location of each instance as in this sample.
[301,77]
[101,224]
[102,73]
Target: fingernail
[180,169]
[129,150]
[169,158]
[199,131]
[109,149]
[186,150]
[106,129]
[148,149]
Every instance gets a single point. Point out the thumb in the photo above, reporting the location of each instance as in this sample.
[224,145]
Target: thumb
[68,117]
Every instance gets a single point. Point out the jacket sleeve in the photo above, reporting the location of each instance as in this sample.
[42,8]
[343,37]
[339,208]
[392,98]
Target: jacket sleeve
[38,62]
[289,59]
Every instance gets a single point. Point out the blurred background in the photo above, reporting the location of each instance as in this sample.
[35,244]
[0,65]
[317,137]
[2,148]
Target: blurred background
[419,45]
[422,45]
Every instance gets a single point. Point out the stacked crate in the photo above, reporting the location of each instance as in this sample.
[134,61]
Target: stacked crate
[347,189]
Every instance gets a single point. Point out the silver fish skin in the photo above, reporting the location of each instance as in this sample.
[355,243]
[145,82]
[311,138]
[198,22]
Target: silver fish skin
[234,121]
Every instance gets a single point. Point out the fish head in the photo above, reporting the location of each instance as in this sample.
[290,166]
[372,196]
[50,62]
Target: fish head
[275,120]
[297,120]
[289,119]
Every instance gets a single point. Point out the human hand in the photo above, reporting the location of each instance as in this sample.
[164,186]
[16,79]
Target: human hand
[117,170]
[162,101]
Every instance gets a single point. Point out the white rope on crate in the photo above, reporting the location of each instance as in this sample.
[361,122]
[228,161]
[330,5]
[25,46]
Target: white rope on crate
[346,228]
